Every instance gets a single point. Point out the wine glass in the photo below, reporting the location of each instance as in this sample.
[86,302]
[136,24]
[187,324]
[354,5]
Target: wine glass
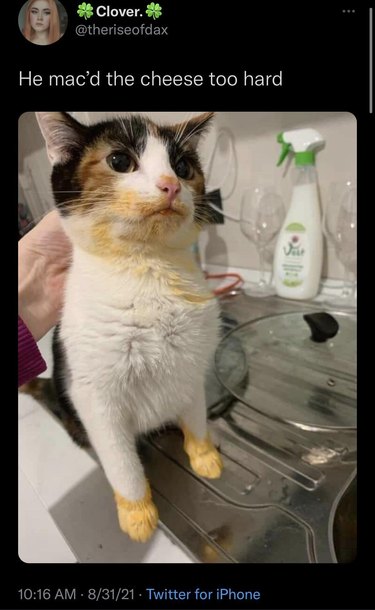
[340,228]
[262,215]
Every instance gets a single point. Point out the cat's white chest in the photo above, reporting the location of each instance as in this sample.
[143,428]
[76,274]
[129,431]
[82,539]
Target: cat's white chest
[139,346]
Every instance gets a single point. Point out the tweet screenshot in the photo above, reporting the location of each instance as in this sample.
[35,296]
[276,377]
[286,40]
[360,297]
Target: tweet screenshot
[187,431]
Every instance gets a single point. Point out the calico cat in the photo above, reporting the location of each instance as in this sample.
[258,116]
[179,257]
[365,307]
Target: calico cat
[139,325]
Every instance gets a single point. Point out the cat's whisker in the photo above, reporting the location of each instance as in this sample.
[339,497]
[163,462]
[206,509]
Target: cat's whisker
[131,128]
[202,201]
[76,203]
[192,132]
[202,207]
[182,127]
[127,127]
[124,127]
[202,219]
[202,212]
[98,196]
[179,131]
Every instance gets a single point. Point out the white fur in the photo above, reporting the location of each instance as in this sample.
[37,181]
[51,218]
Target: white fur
[137,356]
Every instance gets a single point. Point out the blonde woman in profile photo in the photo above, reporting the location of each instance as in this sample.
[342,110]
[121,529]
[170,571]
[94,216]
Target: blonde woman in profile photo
[42,22]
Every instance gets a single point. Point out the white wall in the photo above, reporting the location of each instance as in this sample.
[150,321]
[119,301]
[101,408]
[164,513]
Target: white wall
[34,168]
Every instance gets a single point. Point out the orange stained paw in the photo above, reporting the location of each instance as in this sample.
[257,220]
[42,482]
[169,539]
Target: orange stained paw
[137,518]
[205,459]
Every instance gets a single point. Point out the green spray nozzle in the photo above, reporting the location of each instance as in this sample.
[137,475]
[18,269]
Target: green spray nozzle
[285,148]
[302,143]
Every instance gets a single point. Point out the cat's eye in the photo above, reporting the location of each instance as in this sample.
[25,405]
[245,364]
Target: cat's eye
[183,169]
[121,162]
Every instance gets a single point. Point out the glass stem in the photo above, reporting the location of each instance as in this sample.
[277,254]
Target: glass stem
[262,276]
[348,284]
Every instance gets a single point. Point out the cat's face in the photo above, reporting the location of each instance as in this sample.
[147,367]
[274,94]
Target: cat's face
[126,180]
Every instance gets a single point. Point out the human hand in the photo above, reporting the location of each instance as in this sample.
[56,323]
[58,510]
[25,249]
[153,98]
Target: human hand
[44,256]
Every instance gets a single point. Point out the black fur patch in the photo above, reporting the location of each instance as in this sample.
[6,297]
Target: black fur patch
[177,148]
[128,134]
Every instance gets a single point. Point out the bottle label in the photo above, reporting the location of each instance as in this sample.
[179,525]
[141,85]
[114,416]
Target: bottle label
[294,260]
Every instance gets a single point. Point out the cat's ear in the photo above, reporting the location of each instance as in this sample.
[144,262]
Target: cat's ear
[195,128]
[62,134]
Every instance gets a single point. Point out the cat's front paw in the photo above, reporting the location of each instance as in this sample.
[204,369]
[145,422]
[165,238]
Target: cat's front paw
[137,518]
[205,459]
[139,523]
[208,464]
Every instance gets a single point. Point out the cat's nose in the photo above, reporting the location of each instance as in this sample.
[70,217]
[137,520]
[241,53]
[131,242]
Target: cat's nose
[170,186]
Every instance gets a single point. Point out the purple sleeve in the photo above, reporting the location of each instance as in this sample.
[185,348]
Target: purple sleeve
[30,361]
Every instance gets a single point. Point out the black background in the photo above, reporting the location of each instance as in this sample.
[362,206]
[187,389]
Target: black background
[324,55]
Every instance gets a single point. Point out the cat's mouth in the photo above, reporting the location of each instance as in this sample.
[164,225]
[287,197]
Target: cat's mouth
[175,208]
[167,211]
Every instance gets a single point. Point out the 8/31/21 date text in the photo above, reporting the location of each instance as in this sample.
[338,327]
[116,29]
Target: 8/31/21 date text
[69,594]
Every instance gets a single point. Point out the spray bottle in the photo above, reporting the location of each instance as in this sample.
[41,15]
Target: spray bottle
[299,249]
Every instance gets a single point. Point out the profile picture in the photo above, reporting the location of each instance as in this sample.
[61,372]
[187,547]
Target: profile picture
[43,22]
